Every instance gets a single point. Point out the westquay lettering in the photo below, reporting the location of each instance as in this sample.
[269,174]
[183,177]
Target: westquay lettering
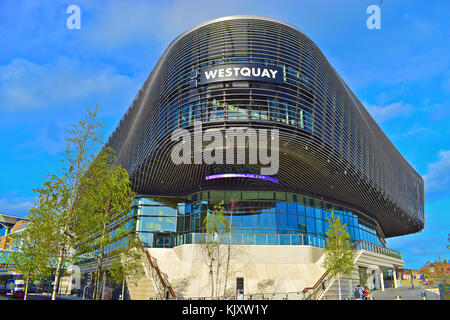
[236,72]
[243,72]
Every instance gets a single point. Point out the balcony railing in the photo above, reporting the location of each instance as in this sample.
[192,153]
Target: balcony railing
[256,239]
[364,245]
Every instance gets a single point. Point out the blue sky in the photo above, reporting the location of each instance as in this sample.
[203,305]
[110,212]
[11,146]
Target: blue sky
[49,75]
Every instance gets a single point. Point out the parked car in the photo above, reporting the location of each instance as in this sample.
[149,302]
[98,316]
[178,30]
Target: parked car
[18,294]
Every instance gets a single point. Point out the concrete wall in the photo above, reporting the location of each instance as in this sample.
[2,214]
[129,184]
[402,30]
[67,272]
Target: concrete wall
[265,269]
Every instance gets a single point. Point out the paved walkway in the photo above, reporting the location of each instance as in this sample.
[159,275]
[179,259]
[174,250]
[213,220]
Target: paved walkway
[405,293]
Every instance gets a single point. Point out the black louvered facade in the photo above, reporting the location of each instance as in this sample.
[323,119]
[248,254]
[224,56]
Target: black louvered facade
[330,147]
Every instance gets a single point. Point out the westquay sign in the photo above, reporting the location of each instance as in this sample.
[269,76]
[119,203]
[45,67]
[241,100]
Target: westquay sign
[236,72]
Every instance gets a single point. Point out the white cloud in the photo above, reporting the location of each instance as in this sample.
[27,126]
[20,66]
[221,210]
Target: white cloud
[417,249]
[51,138]
[117,23]
[437,178]
[25,85]
[390,111]
[16,206]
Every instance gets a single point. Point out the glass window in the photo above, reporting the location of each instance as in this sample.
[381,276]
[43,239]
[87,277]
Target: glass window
[236,239]
[319,213]
[280,196]
[237,221]
[292,198]
[260,239]
[319,226]
[292,208]
[266,195]
[147,201]
[272,239]
[249,239]
[216,195]
[285,239]
[146,238]
[281,220]
[187,223]
[281,207]
[301,220]
[249,195]
[311,225]
[310,212]
[181,208]
[292,221]
[157,224]
[229,195]
[300,209]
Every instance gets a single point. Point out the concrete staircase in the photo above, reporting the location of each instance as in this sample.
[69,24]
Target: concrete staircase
[144,289]
[348,284]
[154,285]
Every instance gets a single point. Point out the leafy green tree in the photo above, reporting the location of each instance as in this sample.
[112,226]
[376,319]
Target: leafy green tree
[30,261]
[127,265]
[57,208]
[106,199]
[339,256]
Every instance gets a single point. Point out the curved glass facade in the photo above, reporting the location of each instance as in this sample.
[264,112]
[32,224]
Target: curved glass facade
[258,217]
[330,147]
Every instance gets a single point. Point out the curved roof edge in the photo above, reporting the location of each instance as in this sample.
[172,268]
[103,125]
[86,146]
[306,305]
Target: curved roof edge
[178,38]
[235,17]
[227,18]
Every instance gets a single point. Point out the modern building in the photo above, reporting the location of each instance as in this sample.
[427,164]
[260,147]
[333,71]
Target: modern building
[250,72]
[10,225]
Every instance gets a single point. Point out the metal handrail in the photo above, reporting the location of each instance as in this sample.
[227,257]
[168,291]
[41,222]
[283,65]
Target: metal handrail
[160,279]
[378,249]
[321,284]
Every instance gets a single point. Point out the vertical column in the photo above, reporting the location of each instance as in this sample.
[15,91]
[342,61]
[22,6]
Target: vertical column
[395,277]
[381,279]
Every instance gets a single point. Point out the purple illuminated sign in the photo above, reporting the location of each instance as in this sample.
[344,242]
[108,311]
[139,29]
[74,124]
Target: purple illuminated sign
[241,175]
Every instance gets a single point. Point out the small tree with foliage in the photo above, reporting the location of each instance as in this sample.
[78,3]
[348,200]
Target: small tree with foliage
[127,265]
[105,199]
[215,226]
[339,256]
[57,208]
[30,261]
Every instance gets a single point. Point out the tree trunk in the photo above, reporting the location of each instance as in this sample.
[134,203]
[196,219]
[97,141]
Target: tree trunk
[99,264]
[339,286]
[58,273]
[26,290]
[228,255]
[218,270]
[123,289]
[211,273]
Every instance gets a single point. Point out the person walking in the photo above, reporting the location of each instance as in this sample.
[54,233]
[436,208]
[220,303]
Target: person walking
[358,293]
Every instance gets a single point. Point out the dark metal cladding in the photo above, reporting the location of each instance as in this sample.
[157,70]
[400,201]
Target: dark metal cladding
[330,147]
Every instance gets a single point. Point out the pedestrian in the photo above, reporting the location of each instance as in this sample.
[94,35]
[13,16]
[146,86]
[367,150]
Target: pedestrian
[367,293]
[358,293]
